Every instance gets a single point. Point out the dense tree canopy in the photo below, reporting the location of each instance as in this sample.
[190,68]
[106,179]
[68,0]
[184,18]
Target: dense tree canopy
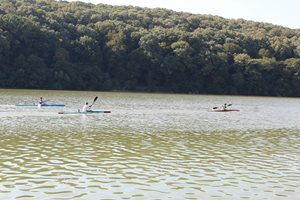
[50,44]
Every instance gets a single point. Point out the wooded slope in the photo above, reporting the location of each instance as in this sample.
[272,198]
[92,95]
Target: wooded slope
[47,44]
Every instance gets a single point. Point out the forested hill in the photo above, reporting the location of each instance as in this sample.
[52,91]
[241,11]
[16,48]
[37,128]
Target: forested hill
[50,44]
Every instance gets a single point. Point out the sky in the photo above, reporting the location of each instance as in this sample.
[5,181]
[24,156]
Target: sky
[279,12]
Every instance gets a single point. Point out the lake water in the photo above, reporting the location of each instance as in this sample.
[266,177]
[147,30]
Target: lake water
[151,146]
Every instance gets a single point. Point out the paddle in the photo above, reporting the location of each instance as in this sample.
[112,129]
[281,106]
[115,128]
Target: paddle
[95,99]
[226,105]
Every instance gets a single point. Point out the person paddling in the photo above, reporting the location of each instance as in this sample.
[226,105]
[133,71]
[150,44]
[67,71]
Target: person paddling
[224,107]
[86,107]
[41,101]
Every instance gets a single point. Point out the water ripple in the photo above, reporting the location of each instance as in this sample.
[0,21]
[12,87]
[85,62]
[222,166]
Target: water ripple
[40,165]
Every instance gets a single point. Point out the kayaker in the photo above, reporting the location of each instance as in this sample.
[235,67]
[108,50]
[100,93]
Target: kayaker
[86,107]
[224,107]
[41,101]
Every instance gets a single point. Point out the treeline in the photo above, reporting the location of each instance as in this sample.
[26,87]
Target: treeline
[50,44]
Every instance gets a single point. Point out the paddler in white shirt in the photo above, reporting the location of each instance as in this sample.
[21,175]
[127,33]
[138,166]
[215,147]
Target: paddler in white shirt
[86,107]
[41,101]
[224,107]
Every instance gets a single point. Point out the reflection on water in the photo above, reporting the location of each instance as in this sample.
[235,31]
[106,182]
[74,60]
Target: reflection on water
[150,147]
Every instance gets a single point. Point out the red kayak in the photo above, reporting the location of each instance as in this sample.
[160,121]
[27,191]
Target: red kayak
[226,110]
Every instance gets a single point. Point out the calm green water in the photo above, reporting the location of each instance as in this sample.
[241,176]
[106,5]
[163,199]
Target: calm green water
[152,146]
